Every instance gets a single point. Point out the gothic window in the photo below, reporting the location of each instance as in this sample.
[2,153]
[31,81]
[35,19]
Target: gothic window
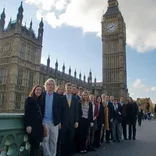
[31,78]
[31,54]
[42,79]
[23,50]
[20,76]
[18,101]
[3,76]
[1,98]
[5,49]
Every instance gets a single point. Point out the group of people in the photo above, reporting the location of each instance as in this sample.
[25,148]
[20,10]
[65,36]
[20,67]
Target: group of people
[69,120]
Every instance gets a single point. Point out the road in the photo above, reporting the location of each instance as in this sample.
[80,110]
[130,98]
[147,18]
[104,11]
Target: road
[144,145]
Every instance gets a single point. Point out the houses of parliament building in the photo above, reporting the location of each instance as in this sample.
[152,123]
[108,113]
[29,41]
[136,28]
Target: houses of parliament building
[21,68]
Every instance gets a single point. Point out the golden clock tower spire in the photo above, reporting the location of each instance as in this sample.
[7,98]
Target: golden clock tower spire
[114,51]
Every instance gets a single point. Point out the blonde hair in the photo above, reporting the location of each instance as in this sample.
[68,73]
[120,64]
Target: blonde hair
[58,87]
[85,92]
[68,84]
[48,81]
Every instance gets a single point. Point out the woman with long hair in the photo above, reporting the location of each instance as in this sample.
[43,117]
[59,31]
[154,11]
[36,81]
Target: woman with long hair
[85,121]
[106,113]
[100,121]
[33,119]
[59,90]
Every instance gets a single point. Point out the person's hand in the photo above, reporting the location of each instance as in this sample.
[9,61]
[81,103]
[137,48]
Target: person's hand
[119,113]
[76,125]
[59,125]
[28,129]
[94,118]
[91,124]
[102,125]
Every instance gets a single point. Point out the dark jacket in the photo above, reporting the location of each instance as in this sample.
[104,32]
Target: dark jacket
[69,115]
[140,114]
[132,111]
[110,110]
[101,116]
[116,115]
[33,118]
[124,112]
[90,113]
[56,107]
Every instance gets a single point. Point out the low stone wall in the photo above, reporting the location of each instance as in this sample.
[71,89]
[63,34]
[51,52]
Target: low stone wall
[13,139]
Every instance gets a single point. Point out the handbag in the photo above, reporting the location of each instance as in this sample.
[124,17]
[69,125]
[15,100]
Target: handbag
[44,127]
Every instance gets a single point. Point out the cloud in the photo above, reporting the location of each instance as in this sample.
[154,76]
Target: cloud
[86,14]
[138,84]
[43,60]
[153,88]
[139,89]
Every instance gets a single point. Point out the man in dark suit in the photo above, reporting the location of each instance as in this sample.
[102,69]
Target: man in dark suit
[69,120]
[51,117]
[132,117]
[124,116]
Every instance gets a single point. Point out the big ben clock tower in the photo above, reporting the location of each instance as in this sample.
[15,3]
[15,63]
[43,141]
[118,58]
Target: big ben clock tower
[114,51]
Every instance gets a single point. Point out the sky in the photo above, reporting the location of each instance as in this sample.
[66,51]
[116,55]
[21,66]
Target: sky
[72,32]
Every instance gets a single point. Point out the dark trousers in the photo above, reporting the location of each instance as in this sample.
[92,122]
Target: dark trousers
[77,141]
[34,151]
[139,121]
[132,127]
[83,132]
[67,141]
[107,135]
[97,136]
[124,129]
[59,144]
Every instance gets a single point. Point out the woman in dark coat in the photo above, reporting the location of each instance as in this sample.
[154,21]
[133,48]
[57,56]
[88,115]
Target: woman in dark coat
[33,119]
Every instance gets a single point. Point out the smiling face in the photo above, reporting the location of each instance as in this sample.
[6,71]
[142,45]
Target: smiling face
[50,86]
[38,91]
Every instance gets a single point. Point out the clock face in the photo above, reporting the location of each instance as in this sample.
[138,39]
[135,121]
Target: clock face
[111,27]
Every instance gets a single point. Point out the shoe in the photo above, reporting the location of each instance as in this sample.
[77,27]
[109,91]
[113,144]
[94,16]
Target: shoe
[125,139]
[85,151]
[81,152]
[114,140]
[129,138]
[134,138]
[118,141]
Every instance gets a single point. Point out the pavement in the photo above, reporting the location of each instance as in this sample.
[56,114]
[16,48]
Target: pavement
[144,145]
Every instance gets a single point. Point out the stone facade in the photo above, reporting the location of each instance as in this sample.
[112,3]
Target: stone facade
[21,68]
[20,63]
[114,51]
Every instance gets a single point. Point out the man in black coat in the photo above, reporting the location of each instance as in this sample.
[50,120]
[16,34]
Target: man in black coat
[132,111]
[124,116]
[69,120]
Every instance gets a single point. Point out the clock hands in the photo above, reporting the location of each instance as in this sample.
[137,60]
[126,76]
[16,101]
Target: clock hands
[110,27]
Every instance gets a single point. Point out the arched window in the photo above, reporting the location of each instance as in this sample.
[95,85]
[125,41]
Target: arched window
[23,51]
